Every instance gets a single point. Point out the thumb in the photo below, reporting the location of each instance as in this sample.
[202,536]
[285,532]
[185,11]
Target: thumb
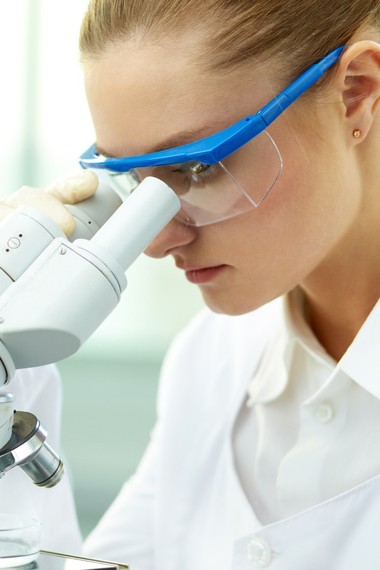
[75,188]
[45,202]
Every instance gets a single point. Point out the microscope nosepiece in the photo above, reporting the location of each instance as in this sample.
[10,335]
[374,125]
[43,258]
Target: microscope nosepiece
[28,449]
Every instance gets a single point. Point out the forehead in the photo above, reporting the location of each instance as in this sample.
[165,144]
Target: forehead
[140,95]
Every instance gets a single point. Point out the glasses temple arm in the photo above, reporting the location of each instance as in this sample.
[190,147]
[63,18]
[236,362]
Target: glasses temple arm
[271,111]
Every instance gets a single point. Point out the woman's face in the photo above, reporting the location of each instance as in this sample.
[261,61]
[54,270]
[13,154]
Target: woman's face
[145,98]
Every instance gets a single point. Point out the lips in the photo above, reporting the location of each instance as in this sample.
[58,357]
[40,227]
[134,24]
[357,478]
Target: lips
[204,274]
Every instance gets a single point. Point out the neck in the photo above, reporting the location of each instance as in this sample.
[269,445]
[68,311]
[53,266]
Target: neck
[340,295]
[336,322]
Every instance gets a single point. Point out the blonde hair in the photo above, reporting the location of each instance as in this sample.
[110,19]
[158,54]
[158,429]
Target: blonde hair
[298,32]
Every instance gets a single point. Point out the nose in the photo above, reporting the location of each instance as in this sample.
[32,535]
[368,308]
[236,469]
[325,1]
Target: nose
[174,235]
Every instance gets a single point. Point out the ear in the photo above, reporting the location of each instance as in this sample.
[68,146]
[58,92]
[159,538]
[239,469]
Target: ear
[359,84]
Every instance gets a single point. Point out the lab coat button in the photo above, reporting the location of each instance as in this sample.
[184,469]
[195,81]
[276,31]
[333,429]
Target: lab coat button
[324,413]
[259,552]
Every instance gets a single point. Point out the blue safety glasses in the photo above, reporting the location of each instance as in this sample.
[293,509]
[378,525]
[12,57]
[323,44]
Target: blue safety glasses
[222,175]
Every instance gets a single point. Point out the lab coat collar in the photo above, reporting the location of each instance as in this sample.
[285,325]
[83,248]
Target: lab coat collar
[297,330]
[361,362]
[272,375]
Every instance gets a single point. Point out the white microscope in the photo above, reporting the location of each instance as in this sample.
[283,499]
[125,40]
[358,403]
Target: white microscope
[55,293]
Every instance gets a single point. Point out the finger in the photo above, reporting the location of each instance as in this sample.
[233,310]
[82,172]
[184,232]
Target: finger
[75,188]
[44,202]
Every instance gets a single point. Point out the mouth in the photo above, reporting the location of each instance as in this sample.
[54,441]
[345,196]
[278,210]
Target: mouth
[204,274]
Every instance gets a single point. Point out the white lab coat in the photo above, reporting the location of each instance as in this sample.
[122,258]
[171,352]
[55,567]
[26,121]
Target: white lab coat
[38,390]
[185,508]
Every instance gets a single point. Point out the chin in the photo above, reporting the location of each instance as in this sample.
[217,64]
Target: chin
[232,305]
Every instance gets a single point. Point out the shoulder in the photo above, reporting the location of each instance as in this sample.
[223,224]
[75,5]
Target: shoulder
[216,353]
[208,332]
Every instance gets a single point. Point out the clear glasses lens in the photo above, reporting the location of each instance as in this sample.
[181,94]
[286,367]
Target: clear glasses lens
[216,192]
[124,183]
[255,167]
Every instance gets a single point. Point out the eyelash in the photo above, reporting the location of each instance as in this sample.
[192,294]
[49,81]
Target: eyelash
[190,169]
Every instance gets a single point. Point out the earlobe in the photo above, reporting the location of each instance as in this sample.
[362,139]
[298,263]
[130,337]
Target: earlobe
[359,79]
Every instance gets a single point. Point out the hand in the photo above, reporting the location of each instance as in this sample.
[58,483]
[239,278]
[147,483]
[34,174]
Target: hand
[52,199]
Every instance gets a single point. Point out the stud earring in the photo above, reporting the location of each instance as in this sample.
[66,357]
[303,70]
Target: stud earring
[356,133]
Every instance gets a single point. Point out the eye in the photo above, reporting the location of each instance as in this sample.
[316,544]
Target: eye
[193,169]
[197,172]
[198,168]
[186,175]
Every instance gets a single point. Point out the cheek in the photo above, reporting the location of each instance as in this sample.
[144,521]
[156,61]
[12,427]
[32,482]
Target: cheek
[275,247]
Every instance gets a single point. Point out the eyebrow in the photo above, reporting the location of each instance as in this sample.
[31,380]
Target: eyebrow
[175,140]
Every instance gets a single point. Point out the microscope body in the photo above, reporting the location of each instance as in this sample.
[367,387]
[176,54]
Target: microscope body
[55,293]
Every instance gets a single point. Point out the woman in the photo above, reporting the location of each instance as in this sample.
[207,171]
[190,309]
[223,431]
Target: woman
[266,449]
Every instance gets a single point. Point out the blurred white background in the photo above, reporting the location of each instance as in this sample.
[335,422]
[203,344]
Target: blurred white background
[110,384]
